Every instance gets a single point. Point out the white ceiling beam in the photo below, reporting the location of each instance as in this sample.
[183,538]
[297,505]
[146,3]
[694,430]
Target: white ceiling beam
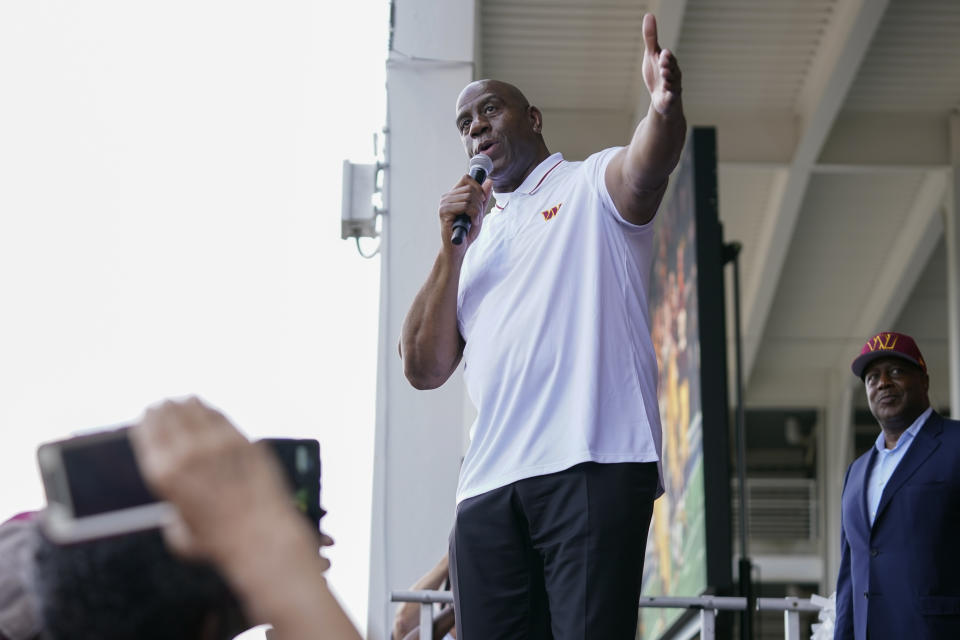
[835,439]
[840,53]
[917,238]
[786,389]
[857,143]
[580,132]
[874,169]
[755,137]
[861,138]
[753,166]
[669,14]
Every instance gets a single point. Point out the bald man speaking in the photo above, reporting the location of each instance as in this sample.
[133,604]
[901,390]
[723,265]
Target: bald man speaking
[545,302]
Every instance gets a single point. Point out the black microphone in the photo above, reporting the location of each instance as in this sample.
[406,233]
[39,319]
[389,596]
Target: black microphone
[480,166]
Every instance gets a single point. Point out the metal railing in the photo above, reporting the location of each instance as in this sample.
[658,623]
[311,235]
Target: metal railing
[707,605]
[791,608]
[426,599]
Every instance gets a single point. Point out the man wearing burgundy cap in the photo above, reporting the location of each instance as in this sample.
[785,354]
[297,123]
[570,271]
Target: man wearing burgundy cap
[900,516]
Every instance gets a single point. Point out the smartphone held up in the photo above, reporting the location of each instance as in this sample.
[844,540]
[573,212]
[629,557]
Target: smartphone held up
[94,487]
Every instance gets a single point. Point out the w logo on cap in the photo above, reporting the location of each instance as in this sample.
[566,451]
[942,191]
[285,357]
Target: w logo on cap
[888,343]
[883,341]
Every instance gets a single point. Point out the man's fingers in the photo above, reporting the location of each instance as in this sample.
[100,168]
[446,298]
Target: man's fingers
[671,79]
[650,34]
[668,60]
[670,73]
[467,190]
[469,199]
[465,204]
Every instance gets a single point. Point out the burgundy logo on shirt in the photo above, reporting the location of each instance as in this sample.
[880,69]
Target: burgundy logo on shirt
[550,213]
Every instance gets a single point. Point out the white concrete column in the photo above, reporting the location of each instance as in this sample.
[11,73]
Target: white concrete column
[836,453]
[419,434]
[952,235]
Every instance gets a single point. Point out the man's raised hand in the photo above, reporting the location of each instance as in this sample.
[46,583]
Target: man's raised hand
[661,73]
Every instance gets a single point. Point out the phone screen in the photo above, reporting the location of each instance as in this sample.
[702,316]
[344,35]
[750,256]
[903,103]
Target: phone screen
[94,487]
[103,477]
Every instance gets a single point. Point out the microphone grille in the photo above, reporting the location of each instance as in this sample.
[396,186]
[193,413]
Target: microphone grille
[483,162]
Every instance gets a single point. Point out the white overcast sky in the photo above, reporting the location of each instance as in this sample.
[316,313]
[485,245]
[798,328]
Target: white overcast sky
[169,224]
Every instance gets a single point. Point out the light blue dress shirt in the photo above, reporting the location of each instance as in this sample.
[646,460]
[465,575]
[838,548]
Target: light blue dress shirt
[886,463]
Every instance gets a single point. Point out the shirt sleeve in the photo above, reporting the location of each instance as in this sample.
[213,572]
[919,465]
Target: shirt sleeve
[596,167]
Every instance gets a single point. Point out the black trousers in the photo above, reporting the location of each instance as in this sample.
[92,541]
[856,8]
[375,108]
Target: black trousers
[557,556]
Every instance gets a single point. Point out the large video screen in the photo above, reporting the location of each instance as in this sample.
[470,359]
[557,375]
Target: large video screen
[689,540]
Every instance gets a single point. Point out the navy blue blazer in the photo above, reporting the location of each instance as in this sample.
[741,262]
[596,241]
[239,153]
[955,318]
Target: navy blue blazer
[900,579]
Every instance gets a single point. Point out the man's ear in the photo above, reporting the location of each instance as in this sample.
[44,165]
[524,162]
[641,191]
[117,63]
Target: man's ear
[536,119]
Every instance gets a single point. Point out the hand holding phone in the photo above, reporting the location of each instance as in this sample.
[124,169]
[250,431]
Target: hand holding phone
[223,486]
[234,508]
[95,487]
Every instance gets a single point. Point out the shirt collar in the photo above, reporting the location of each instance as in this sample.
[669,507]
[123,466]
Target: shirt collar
[532,181]
[911,431]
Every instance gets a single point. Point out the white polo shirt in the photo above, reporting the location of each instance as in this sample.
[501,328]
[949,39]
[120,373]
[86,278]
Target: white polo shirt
[552,303]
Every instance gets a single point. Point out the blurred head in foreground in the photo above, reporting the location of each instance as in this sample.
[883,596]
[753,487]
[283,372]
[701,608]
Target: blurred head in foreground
[130,587]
